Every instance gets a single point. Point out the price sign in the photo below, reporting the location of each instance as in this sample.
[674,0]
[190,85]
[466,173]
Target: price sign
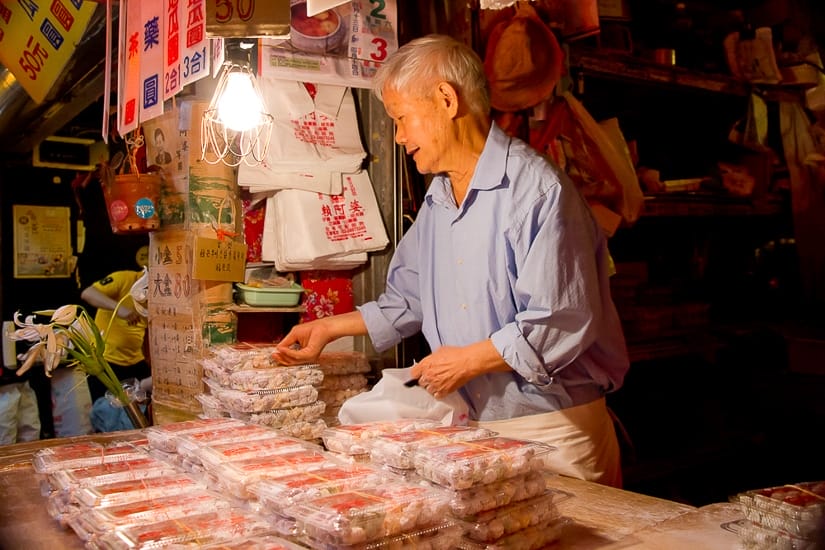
[216,260]
[245,18]
[38,38]
[343,45]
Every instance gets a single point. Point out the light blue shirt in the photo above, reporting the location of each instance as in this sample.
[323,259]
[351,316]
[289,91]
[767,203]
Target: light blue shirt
[522,262]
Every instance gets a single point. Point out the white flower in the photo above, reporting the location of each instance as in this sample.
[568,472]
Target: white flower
[65,315]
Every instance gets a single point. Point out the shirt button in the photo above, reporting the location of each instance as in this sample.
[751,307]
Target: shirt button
[463,306]
[460,261]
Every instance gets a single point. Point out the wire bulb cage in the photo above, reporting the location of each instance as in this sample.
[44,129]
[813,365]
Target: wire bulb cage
[236,128]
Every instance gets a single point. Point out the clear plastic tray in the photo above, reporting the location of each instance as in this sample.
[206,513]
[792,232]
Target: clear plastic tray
[352,438]
[264,378]
[278,417]
[101,474]
[343,362]
[261,542]
[360,516]
[798,509]
[464,464]
[753,536]
[218,453]
[467,502]
[211,407]
[122,492]
[242,355]
[100,520]
[533,538]
[197,530]
[343,382]
[188,444]
[78,455]
[235,477]
[308,431]
[445,536]
[492,525]
[276,494]
[164,437]
[398,449]
[263,400]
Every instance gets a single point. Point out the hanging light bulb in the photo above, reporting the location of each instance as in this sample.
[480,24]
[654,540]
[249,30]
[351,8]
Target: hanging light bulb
[236,127]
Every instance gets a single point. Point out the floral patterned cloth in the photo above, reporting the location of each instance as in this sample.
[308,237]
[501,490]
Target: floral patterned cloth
[328,293]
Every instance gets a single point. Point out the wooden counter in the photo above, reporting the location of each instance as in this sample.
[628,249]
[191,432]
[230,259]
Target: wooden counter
[595,516]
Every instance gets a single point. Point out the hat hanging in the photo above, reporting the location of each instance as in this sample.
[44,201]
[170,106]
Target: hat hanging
[523,61]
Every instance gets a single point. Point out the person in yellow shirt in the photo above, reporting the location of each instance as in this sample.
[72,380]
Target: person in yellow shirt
[125,339]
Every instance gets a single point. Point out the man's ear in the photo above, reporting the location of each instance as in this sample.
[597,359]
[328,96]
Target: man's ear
[447,97]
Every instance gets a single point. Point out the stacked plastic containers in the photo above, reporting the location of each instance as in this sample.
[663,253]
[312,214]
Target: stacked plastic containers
[787,517]
[246,382]
[496,491]
[345,376]
[119,496]
[352,441]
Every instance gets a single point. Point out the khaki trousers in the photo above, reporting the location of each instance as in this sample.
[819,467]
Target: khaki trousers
[584,437]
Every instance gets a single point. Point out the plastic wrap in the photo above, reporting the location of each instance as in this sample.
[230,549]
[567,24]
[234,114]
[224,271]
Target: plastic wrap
[164,437]
[398,449]
[464,464]
[467,502]
[352,439]
[78,455]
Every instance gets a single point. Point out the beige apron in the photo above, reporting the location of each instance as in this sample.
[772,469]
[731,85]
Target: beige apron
[584,437]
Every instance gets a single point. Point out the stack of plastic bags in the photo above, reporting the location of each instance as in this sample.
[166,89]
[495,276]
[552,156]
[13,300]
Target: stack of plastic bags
[321,210]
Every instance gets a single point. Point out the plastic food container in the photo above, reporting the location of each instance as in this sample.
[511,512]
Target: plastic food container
[242,355]
[352,439]
[464,464]
[343,362]
[277,418]
[398,449]
[164,437]
[111,472]
[77,455]
[467,502]
[797,509]
[123,492]
[276,494]
[758,537]
[260,542]
[532,538]
[263,400]
[270,296]
[188,444]
[358,517]
[491,525]
[445,536]
[235,477]
[100,520]
[264,379]
[197,530]
[219,453]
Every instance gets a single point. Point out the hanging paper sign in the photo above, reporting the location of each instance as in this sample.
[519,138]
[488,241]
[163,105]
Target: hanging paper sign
[218,260]
[129,52]
[173,11]
[151,59]
[343,46]
[195,42]
[247,18]
[37,41]
[315,7]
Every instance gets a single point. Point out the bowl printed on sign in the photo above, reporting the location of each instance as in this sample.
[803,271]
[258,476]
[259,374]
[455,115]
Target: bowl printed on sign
[320,33]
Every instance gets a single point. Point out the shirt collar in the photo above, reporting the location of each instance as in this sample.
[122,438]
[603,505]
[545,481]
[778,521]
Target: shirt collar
[489,172]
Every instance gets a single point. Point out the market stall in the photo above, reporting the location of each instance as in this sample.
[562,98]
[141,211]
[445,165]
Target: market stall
[595,516]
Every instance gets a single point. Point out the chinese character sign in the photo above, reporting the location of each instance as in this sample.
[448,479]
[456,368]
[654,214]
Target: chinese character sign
[151,59]
[37,38]
[195,44]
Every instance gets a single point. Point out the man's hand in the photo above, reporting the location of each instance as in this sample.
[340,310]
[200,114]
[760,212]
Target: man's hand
[448,368]
[129,315]
[303,344]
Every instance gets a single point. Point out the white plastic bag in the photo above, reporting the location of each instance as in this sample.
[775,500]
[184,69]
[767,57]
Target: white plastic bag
[390,399]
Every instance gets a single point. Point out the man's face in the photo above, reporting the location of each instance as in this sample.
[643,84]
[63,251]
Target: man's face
[420,128]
